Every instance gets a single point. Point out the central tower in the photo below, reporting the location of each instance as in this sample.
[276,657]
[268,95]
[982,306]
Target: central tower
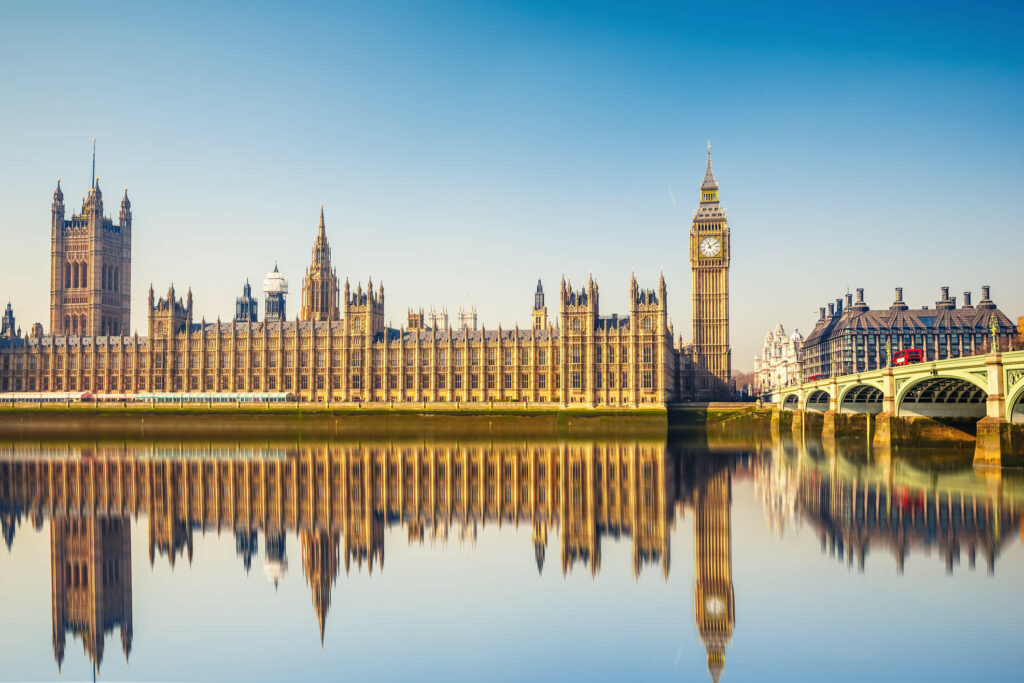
[709,263]
[320,286]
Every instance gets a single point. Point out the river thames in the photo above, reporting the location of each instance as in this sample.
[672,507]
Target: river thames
[731,557]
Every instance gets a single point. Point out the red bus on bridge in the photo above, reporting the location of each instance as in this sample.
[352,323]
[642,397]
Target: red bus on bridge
[908,357]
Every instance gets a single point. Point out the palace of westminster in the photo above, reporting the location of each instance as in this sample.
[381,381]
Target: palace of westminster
[339,349]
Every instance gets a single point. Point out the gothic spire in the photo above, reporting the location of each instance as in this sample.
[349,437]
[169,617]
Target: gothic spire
[94,163]
[709,176]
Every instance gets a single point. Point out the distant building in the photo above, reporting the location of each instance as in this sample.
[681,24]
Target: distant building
[540,311]
[438,319]
[779,362]
[275,290]
[245,306]
[7,328]
[467,318]
[857,339]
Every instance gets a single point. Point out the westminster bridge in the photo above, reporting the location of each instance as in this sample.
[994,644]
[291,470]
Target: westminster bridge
[911,403]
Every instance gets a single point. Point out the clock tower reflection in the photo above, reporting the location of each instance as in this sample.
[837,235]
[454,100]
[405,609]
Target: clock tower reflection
[713,602]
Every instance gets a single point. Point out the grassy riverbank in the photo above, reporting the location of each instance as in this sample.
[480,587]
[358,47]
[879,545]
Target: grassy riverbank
[319,420]
[231,420]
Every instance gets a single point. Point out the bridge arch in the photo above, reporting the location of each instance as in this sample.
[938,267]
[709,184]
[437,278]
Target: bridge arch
[1015,405]
[860,398]
[817,401]
[791,402]
[941,396]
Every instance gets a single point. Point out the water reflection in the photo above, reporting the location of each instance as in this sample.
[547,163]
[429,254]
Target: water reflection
[341,498]
[856,502]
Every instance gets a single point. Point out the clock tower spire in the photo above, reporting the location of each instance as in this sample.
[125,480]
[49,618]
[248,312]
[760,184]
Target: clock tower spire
[709,264]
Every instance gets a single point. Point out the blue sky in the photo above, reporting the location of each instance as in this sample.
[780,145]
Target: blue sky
[462,150]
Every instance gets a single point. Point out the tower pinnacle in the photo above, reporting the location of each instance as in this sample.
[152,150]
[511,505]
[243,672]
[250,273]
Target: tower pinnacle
[94,163]
[709,184]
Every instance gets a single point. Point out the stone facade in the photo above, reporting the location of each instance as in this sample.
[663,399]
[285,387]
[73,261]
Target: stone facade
[340,349]
[709,263]
[90,267]
[779,362]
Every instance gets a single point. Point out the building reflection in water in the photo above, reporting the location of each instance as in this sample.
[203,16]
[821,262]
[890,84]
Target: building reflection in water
[91,581]
[339,498]
[856,503]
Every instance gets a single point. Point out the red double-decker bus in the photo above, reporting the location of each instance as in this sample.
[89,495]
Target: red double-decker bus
[908,357]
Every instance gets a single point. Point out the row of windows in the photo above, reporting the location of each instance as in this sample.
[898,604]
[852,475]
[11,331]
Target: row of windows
[222,382]
[254,360]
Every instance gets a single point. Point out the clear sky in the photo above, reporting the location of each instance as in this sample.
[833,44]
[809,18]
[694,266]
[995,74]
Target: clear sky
[462,150]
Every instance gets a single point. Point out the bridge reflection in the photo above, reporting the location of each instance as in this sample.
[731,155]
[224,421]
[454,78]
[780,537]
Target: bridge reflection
[855,503]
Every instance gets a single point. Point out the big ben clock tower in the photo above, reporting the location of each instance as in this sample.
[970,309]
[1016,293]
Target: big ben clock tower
[709,262]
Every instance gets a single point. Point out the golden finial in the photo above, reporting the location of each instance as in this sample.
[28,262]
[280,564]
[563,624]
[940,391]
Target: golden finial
[709,149]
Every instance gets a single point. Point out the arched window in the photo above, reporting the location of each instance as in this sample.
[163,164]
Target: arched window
[85,275]
[74,275]
[117,277]
[67,324]
[67,274]
[82,327]
[74,325]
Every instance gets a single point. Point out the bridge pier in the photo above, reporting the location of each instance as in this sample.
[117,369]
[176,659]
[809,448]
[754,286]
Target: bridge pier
[829,425]
[781,419]
[799,419]
[836,424]
[998,443]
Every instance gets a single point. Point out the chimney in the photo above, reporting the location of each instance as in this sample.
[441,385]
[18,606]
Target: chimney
[849,300]
[986,301]
[839,306]
[821,314]
[945,302]
[860,305]
[898,305]
[967,300]
[831,310]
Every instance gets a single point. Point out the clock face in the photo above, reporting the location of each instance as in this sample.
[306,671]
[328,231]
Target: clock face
[710,246]
[714,605]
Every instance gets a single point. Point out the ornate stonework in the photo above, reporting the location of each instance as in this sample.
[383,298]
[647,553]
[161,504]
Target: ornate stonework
[709,263]
[90,267]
